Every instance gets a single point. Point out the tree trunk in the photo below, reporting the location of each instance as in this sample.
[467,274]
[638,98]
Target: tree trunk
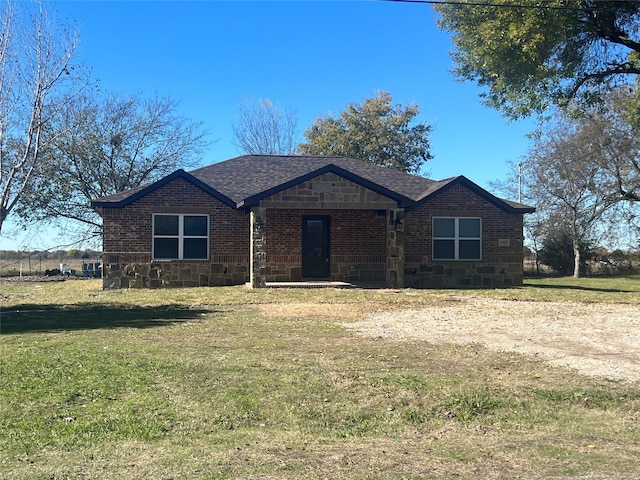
[576,259]
[3,215]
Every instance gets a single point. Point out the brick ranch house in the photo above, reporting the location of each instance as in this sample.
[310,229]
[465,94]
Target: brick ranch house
[261,219]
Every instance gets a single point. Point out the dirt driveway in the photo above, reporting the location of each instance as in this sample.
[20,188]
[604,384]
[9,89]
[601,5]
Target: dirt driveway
[595,339]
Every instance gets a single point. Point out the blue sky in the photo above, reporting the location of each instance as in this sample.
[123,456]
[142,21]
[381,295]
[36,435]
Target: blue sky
[313,57]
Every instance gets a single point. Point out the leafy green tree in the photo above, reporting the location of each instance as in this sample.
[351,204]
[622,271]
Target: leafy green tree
[614,129]
[375,131]
[529,55]
[105,144]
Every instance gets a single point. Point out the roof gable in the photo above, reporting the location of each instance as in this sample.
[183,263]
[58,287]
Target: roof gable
[254,200]
[444,185]
[122,199]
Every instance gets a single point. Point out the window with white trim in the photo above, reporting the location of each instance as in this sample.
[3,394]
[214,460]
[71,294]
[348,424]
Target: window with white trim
[457,238]
[180,237]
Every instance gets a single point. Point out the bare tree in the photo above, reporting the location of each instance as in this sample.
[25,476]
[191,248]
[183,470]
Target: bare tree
[563,171]
[105,144]
[264,128]
[36,73]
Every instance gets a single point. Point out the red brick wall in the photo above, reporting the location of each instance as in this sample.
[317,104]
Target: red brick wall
[358,241]
[284,234]
[500,265]
[359,231]
[460,202]
[128,230]
[352,231]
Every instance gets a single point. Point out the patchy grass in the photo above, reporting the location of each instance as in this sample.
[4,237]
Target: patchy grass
[226,383]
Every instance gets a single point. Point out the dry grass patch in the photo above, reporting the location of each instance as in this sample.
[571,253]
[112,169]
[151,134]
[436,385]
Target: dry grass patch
[342,311]
[598,339]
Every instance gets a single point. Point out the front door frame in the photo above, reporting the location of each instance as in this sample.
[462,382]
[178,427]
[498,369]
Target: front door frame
[316,252]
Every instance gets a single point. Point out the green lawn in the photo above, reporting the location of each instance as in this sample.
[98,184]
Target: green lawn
[217,383]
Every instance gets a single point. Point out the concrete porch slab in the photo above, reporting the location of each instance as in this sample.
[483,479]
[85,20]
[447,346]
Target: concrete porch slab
[322,284]
[308,284]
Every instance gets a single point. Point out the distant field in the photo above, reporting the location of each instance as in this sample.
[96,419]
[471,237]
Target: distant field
[39,267]
[233,383]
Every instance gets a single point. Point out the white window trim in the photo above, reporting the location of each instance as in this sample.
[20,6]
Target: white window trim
[456,238]
[181,236]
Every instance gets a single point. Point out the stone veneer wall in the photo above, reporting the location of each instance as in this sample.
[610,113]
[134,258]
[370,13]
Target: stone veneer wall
[501,273]
[328,191]
[128,236]
[120,273]
[501,265]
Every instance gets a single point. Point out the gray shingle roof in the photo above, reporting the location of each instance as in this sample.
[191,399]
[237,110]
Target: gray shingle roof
[249,175]
[244,180]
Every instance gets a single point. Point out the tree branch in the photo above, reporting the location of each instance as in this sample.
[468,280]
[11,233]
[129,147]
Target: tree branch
[622,69]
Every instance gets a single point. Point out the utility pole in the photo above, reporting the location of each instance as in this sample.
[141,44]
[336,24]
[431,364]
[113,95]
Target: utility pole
[519,182]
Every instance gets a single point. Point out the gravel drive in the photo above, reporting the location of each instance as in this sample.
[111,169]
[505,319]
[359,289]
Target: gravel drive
[596,339]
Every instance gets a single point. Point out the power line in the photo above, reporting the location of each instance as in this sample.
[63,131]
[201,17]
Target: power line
[462,3]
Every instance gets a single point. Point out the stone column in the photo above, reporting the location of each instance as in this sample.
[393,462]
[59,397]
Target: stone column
[395,249]
[257,246]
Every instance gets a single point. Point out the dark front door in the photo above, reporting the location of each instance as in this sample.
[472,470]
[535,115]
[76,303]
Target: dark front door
[315,246]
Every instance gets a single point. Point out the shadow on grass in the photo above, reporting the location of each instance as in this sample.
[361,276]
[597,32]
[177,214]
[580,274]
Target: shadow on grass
[49,318]
[577,287]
